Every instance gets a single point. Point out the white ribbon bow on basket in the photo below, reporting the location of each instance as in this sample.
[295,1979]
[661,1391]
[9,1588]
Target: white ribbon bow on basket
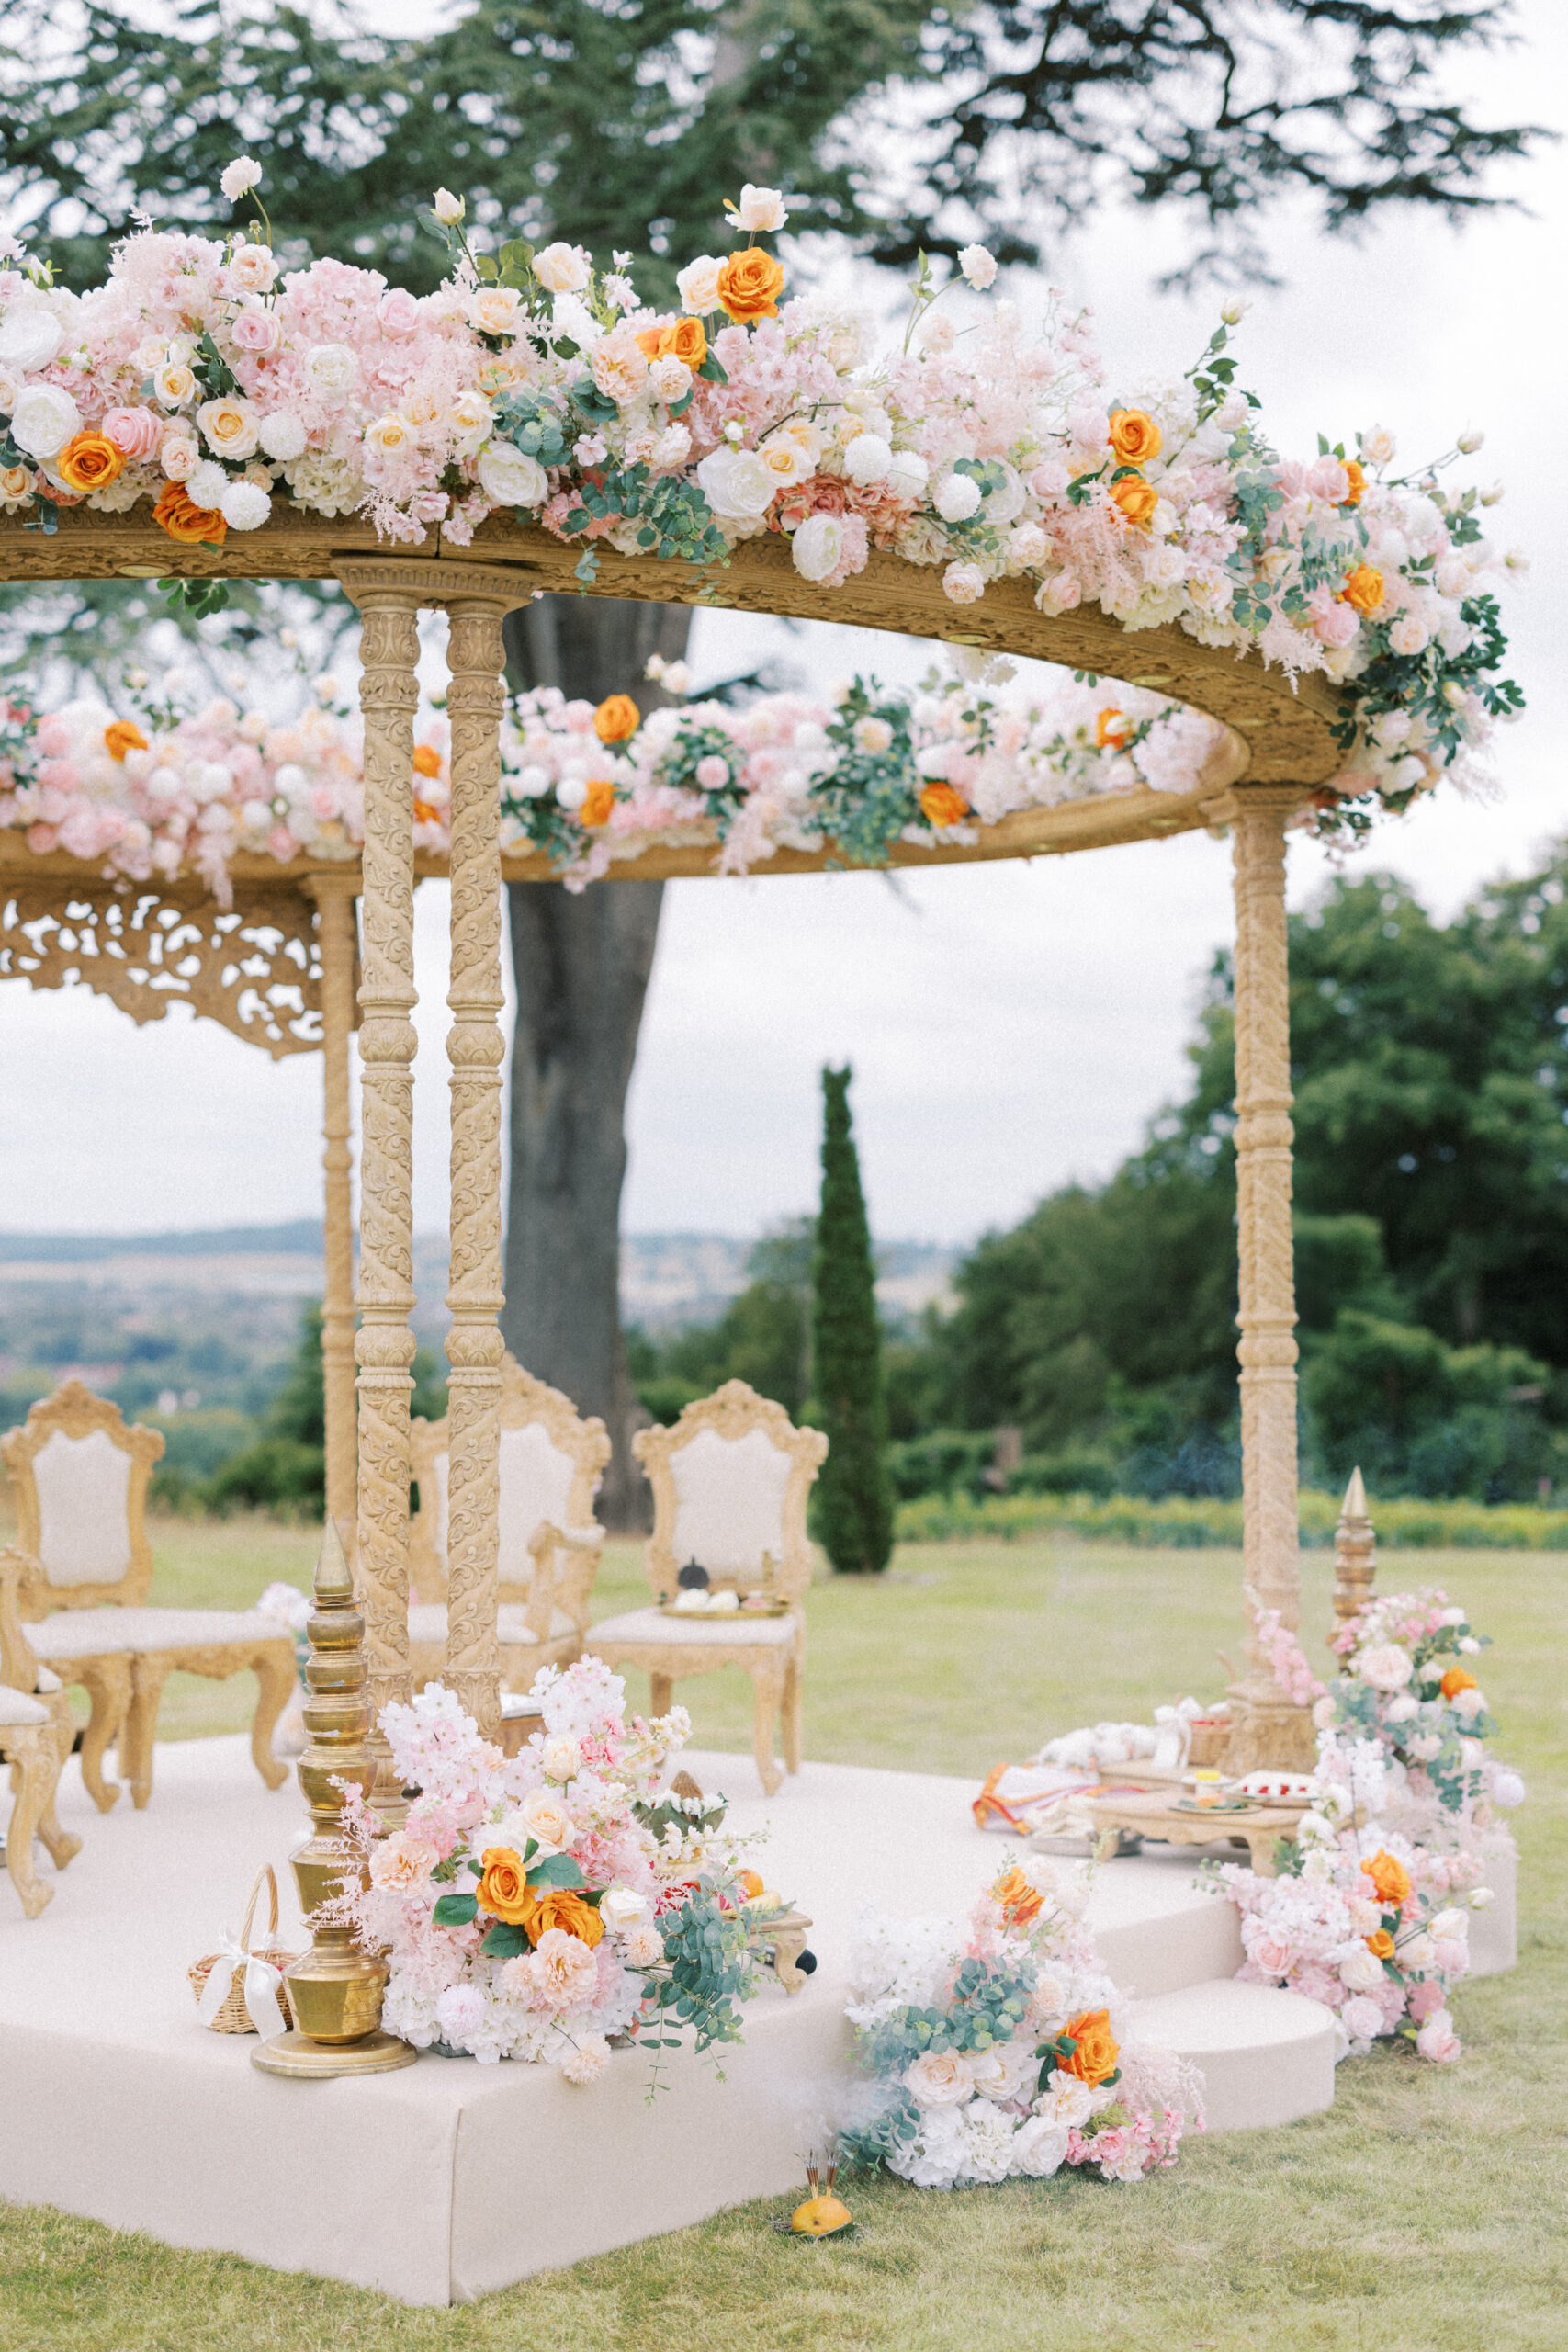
[263,1978]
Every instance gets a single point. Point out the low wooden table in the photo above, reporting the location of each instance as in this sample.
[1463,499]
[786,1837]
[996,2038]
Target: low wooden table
[1157,1815]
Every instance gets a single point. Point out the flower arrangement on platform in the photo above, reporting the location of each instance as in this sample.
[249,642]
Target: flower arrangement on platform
[998,2047]
[1370,1911]
[204,379]
[529,1909]
[175,790]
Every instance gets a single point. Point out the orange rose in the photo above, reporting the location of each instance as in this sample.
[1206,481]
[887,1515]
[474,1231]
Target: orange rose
[1363,590]
[940,805]
[89,462]
[754,1882]
[595,810]
[123,735]
[749,285]
[1134,437]
[1455,1680]
[1018,1900]
[426,759]
[186,522]
[687,340]
[1112,726]
[1097,2049]
[1136,501]
[1391,1879]
[1381,1946]
[617,718]
[503,1889]
[557,1907]
[1354,495]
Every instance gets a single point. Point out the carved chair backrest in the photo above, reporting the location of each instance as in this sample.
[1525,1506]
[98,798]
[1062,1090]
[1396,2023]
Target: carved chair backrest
[81,1481]
[18,1661]
[730,1482]
[551,1463]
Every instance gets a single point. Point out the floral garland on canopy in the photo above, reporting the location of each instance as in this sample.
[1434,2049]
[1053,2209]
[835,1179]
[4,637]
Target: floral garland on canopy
[1370,1913]
[542,1907]
[998,2046]
[206,379]
[177,790]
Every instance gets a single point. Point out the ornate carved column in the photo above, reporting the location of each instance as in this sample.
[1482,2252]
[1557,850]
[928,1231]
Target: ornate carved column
[1269,1729]
[388,594]
[476,1050]
[334,895]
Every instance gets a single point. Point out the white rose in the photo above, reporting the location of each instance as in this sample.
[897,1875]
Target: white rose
[282,436]
[759,207]
[1066,2102]
[509,477]
[495,310]
[1403,1710]
[697,284]
[244,507]
[940,2079]
[978,267]
[206,484]
[1386,1666]
[562,268]
[448,209]
[43,420]
[1039,2147]
[623,1909]
[867,460]
[239,178]
[1361,1971]
[956,497]
[670,378]
[548,1819]
[737,484]
[1378,446]
[331,369]
[30,339]
[560,1756]
[1451,1926]
[818,546]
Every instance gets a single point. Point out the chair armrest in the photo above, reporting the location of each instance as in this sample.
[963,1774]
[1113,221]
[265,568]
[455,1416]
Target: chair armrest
[18,1661]
[564,1587]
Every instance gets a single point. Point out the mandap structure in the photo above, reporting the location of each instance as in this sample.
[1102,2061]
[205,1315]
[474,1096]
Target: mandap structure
[278,967]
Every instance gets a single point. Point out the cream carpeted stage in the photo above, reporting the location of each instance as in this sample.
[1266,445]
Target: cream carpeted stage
[449,2179]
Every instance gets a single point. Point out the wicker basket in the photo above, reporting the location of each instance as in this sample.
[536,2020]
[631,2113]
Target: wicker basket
[233,2016]
[1211,1738]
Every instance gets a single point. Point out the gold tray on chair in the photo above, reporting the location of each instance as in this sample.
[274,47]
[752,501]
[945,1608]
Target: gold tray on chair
[722,1616]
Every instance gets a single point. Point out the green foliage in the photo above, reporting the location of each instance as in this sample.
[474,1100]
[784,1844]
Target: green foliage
[1183,1522]
[762,1337]
[707,1973]
[854,1500]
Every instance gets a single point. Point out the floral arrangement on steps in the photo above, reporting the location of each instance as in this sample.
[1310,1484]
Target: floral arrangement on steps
[998,2048]
[1370,1911]
[540,1908]
[206,380]
[184,790]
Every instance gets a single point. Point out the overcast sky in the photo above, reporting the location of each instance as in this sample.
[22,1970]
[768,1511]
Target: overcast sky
[1011,1027]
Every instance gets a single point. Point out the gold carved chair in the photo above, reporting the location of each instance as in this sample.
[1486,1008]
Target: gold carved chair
[35,1736]
[730,1482]
[81,1481]
[551,1463]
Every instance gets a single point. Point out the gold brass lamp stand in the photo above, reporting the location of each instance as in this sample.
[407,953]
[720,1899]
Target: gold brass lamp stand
[335,1989]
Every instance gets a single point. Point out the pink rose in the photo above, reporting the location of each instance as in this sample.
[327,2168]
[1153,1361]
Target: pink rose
[1327,479]
[1048,481]
[1272,1951]
[398,312]
[135,432]
[54,733]
[254,331]
[281,843]
[1437,2040]
[1425,2000]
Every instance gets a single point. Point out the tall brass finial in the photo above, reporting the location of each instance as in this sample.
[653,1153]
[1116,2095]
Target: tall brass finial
[335,1990]
[1355,1552]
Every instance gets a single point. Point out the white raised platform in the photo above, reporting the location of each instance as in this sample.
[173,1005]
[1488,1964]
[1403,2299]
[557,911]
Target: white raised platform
[449,2180]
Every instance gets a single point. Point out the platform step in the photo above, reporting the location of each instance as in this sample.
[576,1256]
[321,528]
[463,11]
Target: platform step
[1266,2055]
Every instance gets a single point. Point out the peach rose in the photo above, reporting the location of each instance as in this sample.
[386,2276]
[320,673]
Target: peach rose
[1455,1680]
[121,736]
[749,285]
[400,1861]
[617,718]
[1135,501]
[1390,1879]
[940,806]
[1021,1902]
[1098,2050]
[1363,590]
[546,1818]
[186,522]
[89,462]
[1357,482]
[503,1890]
[1134,437]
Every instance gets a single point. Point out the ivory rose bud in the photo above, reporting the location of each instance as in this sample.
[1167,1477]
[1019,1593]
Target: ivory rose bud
[229,427]
[239,178]
[965,583]
[282,436]
[448,209]
[562,268]
[256,331]
[759,208]
[173,384]
[548,1819]
[979,267]
[30,339]
[939,2078]
[623,1909]
[750,283]
[697,284]
[43,420]
[135,432]
[1377,447]
[1235,308]
[560,1756]
[253,269]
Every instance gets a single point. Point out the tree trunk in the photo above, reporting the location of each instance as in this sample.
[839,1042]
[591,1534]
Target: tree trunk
[581,964]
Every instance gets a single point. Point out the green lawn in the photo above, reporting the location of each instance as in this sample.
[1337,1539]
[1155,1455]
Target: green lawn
[1424,2212]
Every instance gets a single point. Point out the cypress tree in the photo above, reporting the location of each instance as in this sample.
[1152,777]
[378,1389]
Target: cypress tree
[854,1499]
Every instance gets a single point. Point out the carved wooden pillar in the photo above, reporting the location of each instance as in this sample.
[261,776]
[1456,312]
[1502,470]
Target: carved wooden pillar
[476,1050]
[334,895]
[389,599]
[1269,1729]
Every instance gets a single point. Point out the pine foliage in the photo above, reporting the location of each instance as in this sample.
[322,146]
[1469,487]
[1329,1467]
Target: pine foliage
[854,1497]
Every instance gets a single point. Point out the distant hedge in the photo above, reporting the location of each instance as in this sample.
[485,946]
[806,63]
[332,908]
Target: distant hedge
[1184,1521]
